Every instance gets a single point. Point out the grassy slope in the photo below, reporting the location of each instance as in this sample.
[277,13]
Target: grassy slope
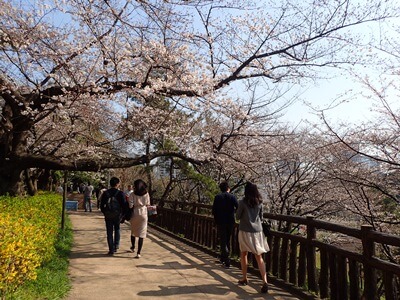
[52,280]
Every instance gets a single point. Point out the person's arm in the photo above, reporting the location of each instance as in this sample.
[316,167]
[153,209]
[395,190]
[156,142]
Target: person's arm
[103,198]
[235,202]
[124,204]
[101,192]
[213,206]
[131,200]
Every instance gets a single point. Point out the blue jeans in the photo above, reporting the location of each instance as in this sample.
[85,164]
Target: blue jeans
[87,203]
[113,234]
[225,233]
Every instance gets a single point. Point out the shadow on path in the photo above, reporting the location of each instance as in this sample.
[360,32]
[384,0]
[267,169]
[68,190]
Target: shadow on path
[168,268]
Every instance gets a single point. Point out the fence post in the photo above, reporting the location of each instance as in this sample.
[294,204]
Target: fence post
[370,278]
[64,197]
[311,270]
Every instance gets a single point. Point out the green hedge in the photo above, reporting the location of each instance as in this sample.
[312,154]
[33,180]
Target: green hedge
[29,228]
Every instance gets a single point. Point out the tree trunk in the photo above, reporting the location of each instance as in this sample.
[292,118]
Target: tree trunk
[30,182]
[44,182]
[12,144]
[11,181]
[149,172]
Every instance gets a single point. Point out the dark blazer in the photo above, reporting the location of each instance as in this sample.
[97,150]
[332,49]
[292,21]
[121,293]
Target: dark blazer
[224,207]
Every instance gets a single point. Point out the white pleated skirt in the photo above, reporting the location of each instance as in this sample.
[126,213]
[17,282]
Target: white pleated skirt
[254,242]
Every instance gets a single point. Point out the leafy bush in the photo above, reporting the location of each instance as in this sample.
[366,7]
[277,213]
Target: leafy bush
[52,280]
[28,232]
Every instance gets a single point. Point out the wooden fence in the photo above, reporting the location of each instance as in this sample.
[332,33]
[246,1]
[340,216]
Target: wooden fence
[326,259]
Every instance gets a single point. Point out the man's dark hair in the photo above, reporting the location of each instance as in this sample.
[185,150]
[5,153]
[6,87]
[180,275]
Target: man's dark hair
[224,186]
[114,181]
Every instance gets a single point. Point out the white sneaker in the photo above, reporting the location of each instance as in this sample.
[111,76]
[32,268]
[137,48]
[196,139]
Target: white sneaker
[137,256]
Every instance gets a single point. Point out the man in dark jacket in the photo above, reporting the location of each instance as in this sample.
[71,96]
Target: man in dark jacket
[113,222]
[223,209]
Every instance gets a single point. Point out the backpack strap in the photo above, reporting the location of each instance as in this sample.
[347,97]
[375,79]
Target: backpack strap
[116,193]
[109,195]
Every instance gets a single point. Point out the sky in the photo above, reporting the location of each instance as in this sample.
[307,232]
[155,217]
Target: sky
[354,110]
[342,98]
[357,107]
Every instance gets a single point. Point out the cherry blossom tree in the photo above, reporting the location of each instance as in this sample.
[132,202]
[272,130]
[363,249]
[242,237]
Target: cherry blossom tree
[366,166]
[77,77]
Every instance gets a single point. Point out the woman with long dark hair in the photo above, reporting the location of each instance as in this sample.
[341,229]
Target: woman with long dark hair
[139,200]
[251,237]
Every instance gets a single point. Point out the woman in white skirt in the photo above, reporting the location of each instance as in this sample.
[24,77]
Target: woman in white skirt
[139,200]
[251,236]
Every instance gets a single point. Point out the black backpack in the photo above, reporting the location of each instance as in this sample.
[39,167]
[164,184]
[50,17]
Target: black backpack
[111,208]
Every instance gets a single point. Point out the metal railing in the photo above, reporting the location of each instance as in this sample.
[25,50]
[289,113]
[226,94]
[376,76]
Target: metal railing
[349,267]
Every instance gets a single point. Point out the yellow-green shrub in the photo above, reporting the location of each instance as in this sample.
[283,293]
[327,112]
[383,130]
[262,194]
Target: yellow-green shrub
[28,230]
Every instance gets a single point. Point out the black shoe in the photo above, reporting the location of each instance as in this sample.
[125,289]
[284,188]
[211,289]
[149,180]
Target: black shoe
[243,282]
[226,266]
[110,253]
[264,288]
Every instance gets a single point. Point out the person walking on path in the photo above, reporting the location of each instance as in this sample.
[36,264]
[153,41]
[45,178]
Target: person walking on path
[87,197]
[175,270]
[139,200]
[251,237]
[128,191]
[223,210]
[99,192]
[113,205]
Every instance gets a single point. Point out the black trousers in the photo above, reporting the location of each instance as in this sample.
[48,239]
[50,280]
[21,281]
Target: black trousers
[225,234]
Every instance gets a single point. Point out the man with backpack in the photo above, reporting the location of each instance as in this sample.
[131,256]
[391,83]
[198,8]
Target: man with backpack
[113,206]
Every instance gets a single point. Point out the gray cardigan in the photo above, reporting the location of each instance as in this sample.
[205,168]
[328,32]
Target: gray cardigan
[249,217]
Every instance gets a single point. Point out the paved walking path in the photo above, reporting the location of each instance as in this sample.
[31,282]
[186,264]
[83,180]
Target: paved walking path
[167,269]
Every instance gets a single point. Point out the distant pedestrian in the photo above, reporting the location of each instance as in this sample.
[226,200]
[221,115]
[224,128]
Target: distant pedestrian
[139,200]
[99,192]
[87,197]
[113,205]
[81,188]
[128,191]
[223,210]
[60,189]
[251,237]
